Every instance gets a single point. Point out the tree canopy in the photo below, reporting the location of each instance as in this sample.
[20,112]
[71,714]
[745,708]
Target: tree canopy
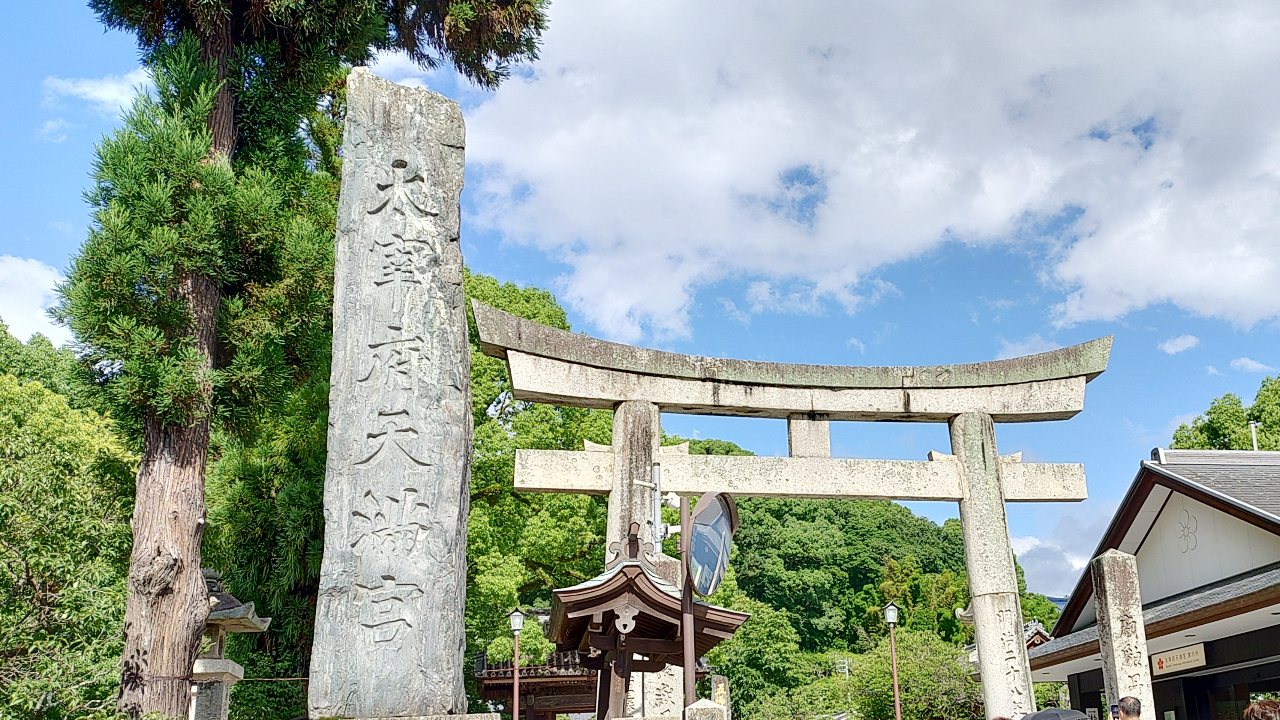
[65,491]
[1225,425]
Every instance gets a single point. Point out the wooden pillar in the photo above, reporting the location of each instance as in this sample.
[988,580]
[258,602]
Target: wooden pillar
[619,682]
[604,683]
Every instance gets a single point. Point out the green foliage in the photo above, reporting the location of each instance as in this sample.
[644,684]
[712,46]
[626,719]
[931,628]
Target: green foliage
[823,560]
[1039,607]
[763,658]
[933,677]
[1225,425]
[479,38]
[1047,694]
[521,546]
[167,213]
[65,490]
[534,645]
[37,360]
[823,697]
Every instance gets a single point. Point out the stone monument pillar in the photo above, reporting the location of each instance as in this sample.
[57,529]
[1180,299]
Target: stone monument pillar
[1122,635]
[389,618]
[993,581]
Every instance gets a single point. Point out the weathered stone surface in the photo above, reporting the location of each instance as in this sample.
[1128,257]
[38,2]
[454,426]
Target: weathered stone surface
[211,681]
[389,619]
[706,710]
[720,694]
[1122,635]
[500,332]
[469,716]
[993,583]
[656,694]
[808,435]
[550,380]
[636,436]
[759,476]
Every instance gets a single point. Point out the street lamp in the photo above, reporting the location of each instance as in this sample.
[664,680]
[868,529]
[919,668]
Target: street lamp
[517,624]
[891,617]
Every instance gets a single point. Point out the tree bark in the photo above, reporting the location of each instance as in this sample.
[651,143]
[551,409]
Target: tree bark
[216,50]
[167,603]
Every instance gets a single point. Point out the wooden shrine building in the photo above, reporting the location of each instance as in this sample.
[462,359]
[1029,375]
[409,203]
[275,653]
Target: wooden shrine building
[628,620]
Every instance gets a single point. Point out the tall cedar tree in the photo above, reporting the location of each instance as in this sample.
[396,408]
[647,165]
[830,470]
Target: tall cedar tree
[159,312]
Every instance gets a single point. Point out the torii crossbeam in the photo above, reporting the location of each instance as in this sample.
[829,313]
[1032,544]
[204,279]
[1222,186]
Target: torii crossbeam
[555,366]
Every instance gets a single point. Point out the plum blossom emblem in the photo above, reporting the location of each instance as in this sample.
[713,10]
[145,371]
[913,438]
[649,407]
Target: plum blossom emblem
[1187,527]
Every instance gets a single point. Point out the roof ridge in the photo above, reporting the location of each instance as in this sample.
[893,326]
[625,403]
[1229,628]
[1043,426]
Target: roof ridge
[1215,457]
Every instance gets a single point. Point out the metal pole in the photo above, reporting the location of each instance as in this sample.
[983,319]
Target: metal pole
[893,661]
[515,677]
[1253,430]
[686,606]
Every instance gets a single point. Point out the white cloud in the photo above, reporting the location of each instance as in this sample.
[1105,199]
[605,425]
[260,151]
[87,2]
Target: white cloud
[857,344]
[53,131]
[1181,343]
[399,68]
[1211,370]
[1055,560]
[27,289]
[1249,365]
[732,310]
[107,95]
[1029,345]
[656,150]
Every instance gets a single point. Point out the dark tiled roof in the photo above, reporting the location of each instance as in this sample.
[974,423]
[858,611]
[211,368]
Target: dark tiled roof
[1251,478]
[1202,597]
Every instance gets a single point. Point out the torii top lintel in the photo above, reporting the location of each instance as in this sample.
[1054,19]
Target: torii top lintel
[565,368]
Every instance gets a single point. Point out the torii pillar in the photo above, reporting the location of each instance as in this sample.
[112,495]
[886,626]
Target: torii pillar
[559,367]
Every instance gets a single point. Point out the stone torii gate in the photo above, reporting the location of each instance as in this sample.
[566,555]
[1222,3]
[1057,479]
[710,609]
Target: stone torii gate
[563,368]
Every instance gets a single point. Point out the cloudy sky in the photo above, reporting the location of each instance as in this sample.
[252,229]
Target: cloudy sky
[856,183]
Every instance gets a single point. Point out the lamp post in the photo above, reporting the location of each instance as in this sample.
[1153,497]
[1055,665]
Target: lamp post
[517,624]
[891,617]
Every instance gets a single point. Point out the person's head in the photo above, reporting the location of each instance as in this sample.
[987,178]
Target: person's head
[1131,707]
[1263,710]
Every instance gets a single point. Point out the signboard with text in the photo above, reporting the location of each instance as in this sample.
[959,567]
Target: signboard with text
[1184,658]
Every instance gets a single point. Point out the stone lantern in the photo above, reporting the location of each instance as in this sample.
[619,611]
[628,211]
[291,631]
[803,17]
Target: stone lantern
[213,674]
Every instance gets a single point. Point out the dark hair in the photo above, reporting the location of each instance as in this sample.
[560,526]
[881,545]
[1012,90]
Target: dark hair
[1263,710]
[1131,706]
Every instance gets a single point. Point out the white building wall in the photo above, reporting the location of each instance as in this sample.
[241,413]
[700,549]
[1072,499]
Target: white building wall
[1192,544]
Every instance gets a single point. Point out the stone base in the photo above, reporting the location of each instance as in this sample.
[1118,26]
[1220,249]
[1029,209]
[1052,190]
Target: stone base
[706,710]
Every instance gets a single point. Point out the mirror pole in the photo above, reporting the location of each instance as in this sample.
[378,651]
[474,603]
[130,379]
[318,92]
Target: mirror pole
[686,606]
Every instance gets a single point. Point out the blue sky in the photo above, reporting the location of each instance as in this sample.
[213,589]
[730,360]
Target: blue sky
[869,185]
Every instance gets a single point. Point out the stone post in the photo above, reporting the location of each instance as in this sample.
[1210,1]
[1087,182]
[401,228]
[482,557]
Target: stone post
[720,694]
[211,681]
[637,433]
[993,582]
[808,435]
[706,710]
[1122,635]
[389,617]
